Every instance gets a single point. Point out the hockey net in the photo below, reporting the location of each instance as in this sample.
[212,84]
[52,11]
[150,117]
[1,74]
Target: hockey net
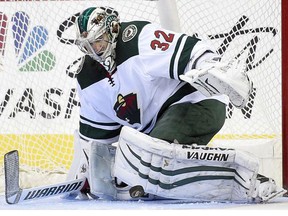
[38,99]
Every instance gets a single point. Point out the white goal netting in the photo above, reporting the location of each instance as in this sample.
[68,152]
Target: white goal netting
[38,99]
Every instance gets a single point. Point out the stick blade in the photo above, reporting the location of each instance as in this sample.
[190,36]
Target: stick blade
[11,167]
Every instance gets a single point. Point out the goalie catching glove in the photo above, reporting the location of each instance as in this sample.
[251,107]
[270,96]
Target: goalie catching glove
[218,78]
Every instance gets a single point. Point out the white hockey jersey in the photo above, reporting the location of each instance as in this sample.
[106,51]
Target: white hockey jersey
[146,82]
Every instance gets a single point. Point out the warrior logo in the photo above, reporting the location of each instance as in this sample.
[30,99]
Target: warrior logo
[126,108]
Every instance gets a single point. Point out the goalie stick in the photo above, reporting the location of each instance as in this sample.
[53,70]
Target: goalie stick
[15,194]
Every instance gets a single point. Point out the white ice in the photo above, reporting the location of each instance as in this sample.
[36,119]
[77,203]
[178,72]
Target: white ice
[141,207]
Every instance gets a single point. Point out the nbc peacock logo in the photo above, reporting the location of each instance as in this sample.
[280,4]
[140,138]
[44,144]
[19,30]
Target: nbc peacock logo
[28,42]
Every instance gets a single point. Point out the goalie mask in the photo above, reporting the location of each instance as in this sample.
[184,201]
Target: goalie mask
[97,32]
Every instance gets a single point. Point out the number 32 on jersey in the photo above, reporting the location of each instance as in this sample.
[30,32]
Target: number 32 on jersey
[163,40]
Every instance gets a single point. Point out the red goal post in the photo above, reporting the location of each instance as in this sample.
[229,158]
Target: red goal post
[38,100]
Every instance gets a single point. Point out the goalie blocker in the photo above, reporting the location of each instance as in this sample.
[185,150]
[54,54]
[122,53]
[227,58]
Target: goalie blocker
[193,172]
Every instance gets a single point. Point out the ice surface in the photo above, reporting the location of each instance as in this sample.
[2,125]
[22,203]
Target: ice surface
[57,203]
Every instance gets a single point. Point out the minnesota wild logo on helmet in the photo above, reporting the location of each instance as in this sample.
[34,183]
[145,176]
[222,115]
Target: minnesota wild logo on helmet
[84,18]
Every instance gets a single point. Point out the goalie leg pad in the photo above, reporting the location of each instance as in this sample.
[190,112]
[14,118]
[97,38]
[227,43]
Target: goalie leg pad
[101,163]
[79,167]
[102,181]
[184,172]
[93,161]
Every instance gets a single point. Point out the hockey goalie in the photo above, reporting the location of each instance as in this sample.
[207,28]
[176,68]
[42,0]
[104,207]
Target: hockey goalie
[151,101]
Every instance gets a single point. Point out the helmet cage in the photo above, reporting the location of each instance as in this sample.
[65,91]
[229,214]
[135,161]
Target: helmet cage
[98,23]
[85,45]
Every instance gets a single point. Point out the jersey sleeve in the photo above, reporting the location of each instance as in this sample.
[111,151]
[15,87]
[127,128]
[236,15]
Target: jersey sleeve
[169,54]
[94,125]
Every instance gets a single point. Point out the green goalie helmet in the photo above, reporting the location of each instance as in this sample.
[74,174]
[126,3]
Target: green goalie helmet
[91,25]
